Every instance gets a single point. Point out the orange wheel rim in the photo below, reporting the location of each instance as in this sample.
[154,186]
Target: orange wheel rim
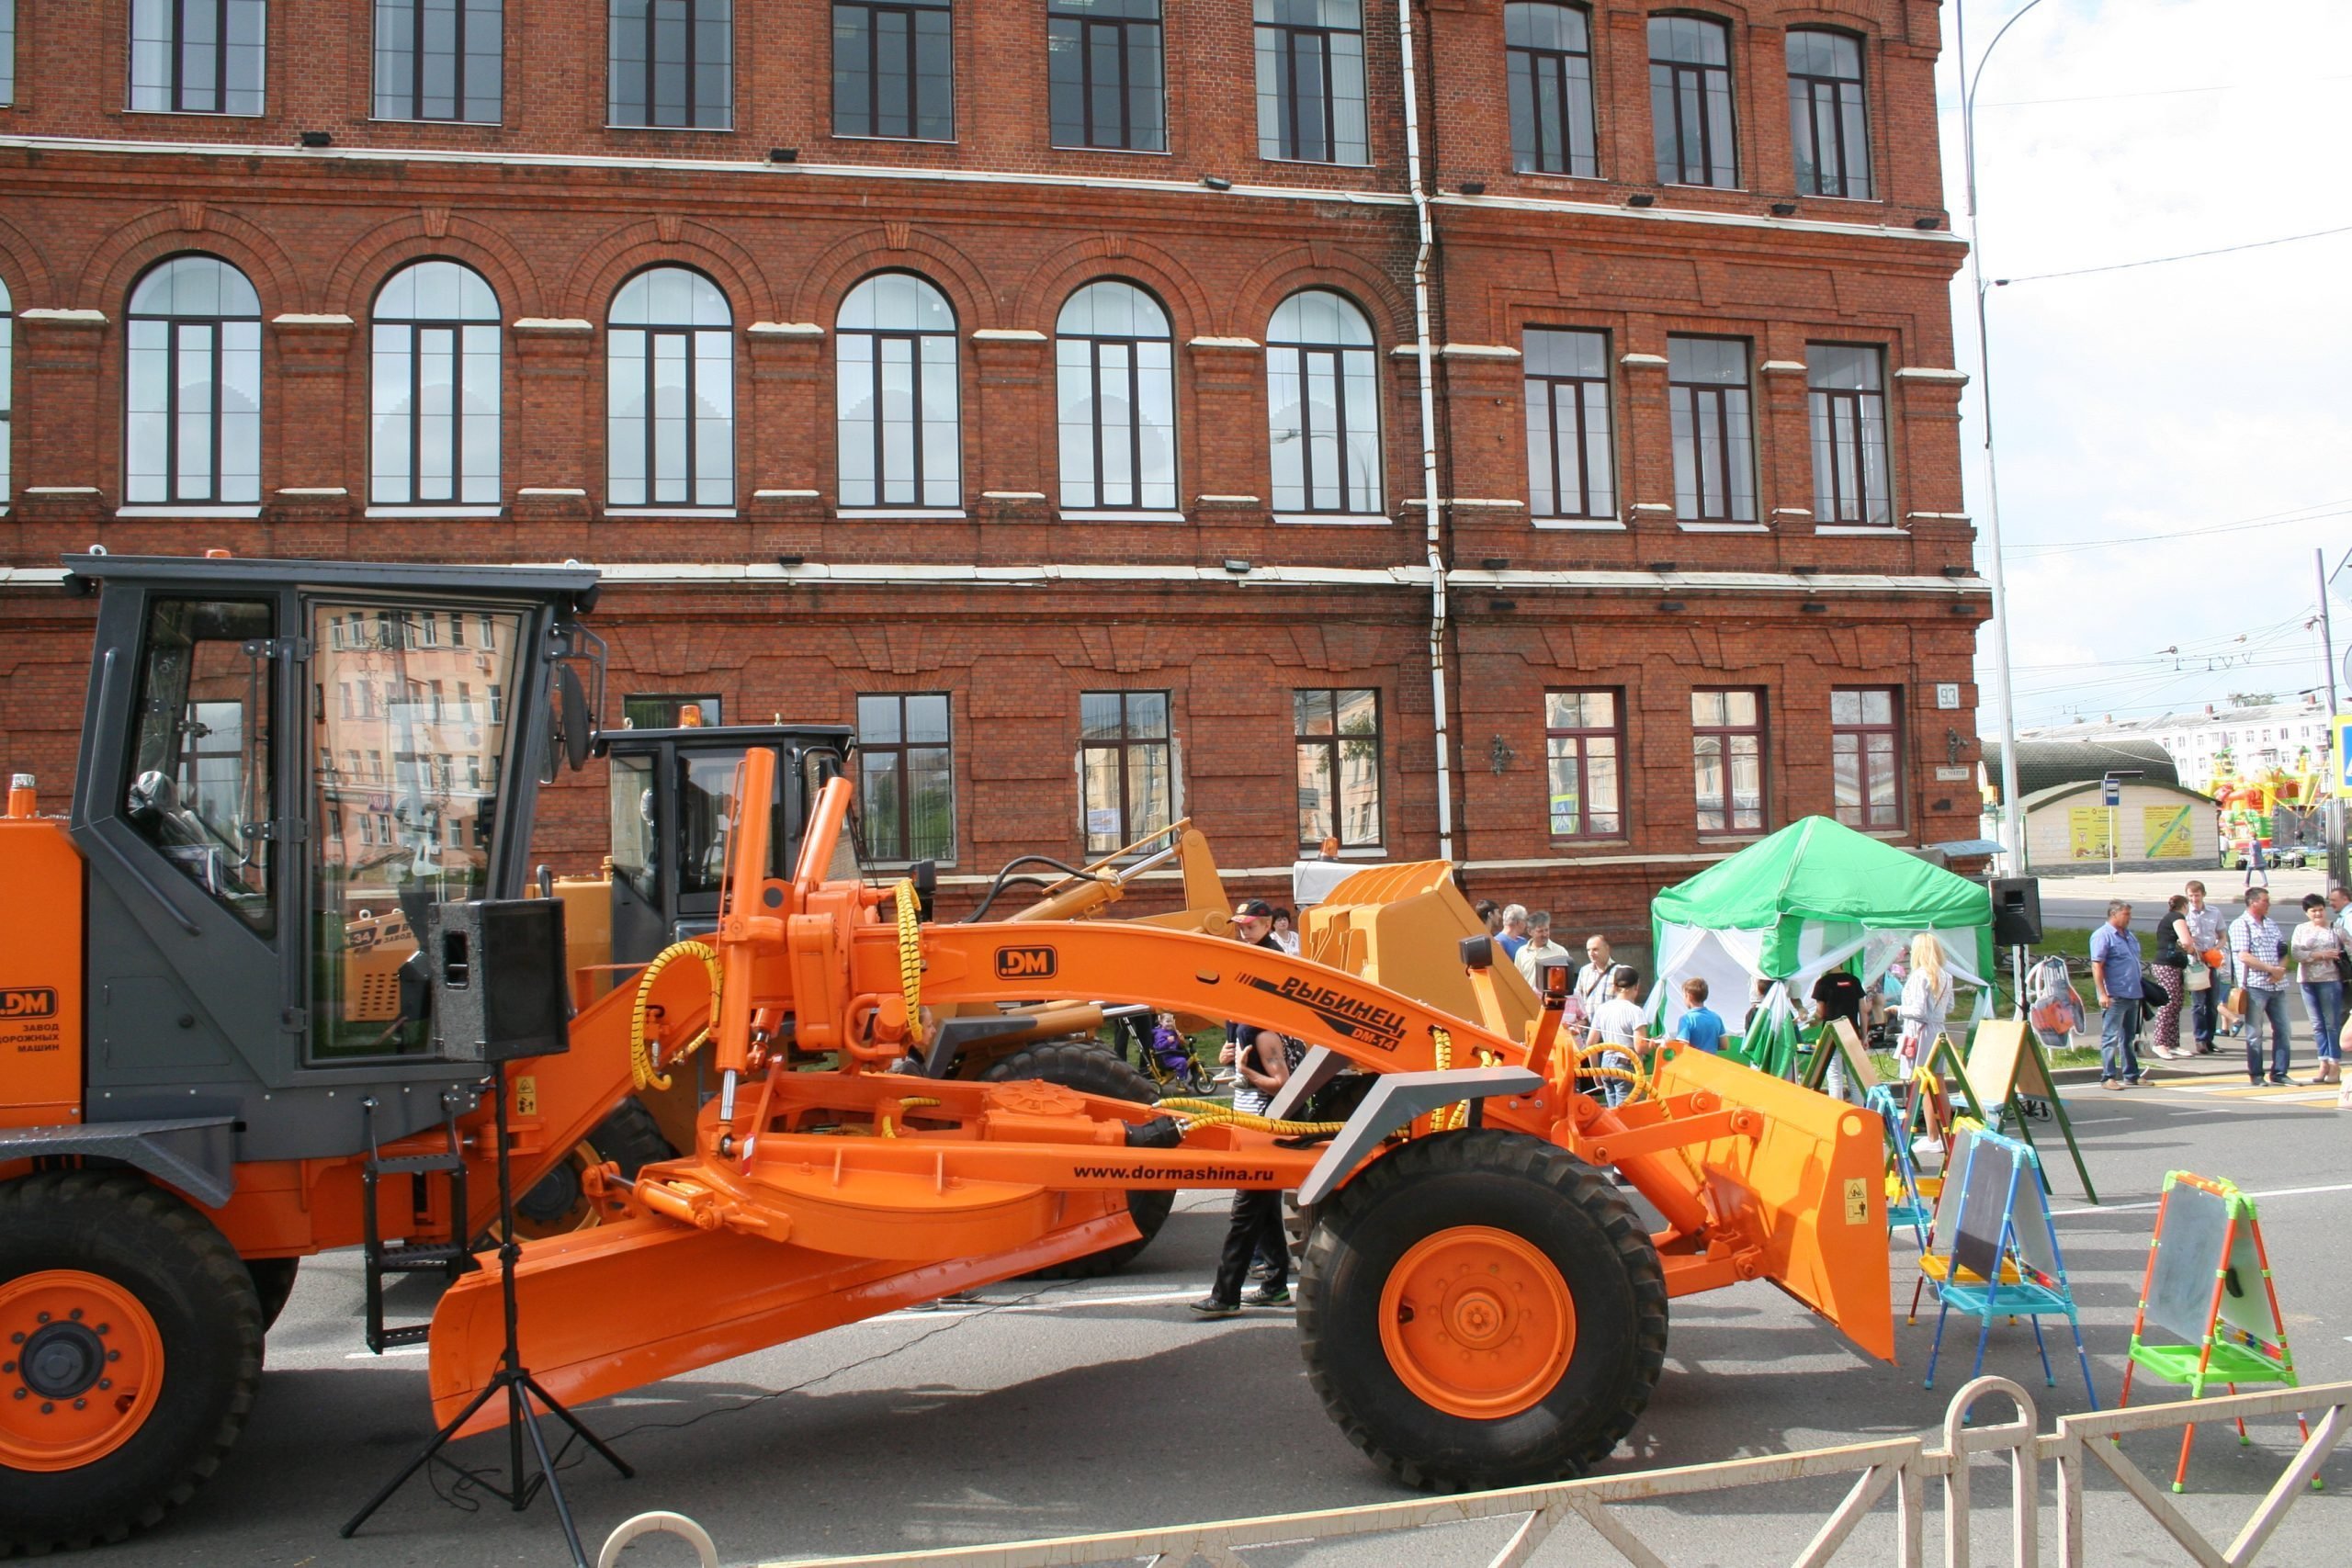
[1477,1321]
[81,1363]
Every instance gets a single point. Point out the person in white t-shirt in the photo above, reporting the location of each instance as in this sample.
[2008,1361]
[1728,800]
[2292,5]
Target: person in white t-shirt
[1619,1022]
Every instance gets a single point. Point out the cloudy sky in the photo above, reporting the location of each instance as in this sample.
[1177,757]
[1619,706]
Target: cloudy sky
[2174,440]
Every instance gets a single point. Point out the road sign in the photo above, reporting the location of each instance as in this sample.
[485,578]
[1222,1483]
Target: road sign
[2342,760]
[2110,792]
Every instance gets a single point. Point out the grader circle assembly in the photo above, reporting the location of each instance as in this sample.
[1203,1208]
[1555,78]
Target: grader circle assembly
[227,1060]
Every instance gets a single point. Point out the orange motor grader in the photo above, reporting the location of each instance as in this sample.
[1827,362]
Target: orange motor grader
[201,1094]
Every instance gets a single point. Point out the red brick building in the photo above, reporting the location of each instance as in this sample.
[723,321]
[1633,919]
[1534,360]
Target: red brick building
[1062,360]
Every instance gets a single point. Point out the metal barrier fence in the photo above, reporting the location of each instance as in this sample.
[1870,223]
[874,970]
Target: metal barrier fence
[1905,1466]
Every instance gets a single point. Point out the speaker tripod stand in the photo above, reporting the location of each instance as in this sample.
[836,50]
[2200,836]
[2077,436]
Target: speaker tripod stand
[512,1379]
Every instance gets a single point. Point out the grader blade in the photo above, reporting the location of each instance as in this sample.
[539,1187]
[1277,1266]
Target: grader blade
[1807,1190]
[622,1305]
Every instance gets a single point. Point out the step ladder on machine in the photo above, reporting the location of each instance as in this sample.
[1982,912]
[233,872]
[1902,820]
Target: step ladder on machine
[450,1255]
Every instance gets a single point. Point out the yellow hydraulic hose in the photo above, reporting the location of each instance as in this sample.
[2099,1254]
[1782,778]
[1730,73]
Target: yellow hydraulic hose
[642,1068]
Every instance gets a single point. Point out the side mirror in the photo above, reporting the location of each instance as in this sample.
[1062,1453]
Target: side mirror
[574,728]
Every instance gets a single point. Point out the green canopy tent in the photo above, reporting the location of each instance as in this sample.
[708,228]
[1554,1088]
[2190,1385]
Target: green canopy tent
[1810,897]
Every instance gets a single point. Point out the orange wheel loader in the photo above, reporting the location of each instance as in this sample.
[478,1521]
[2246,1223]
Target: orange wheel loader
[208,1087]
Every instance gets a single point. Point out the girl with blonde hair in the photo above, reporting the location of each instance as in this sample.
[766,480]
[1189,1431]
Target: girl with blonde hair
[1927,1000]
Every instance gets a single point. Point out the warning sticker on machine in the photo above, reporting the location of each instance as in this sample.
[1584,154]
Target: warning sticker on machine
[1858,1200]
[29,1019]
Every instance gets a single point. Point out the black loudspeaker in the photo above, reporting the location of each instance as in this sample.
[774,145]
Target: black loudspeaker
[2016,910]
[499,989]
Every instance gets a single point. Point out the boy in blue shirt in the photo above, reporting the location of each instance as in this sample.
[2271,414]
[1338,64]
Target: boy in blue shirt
[1701,1026]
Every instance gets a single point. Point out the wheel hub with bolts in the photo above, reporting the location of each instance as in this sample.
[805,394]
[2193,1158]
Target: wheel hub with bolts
[81,1361]
[1477,1321]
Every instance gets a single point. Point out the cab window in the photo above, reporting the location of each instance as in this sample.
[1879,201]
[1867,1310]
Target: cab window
[200,787]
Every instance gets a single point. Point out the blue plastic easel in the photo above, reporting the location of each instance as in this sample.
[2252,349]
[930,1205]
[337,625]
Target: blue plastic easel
[1904,1206]
[2002,1227]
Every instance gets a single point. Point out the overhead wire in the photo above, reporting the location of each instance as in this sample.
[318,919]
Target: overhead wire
[2182,256]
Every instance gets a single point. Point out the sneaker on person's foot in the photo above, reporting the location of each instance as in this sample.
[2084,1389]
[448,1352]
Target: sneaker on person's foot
[1209,1306]
[1267,1296]
[2286,1083]
[2111,1083]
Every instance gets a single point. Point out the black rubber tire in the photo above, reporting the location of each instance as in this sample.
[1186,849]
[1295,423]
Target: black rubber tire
[1091,1069]
[629,1138]
[273,1283]
[202,1300]
[1540,1193]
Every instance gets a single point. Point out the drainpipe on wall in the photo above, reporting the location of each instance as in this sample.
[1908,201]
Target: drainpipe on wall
[1423,359]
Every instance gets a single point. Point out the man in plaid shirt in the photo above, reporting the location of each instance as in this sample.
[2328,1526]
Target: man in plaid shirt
[2259,947]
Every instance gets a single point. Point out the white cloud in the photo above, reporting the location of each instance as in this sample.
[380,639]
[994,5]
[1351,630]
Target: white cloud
[2166,398]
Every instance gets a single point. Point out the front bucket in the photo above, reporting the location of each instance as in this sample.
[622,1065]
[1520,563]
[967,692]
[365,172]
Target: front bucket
[618,1307]
[1809,1190]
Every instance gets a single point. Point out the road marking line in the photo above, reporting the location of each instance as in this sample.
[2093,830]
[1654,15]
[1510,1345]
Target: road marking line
[395,1350]
[2274,1192]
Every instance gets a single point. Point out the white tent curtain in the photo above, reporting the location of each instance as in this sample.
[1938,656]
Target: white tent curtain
[1729,960]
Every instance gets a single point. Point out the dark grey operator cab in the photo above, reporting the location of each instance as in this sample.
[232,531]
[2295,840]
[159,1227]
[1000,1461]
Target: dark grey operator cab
[284,765]
[672,799]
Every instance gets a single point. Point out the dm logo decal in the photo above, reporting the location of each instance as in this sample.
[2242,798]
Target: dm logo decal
[1026,962]
[29,1001]
[1350,1016]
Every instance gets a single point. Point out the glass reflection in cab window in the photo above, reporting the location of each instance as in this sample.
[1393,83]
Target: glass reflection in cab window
[422,686]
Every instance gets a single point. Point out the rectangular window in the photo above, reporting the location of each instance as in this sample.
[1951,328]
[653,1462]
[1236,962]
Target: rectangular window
[672,63]
[1584,746]
[197,56]
[906,778]
[1845,397]
[1126,768]
[894,70]
[431,837]
[654,710]
[1311,82]
[7,52]
[439,60]
[1103,74]
[1866,757]
[1691,119]
[1829,125]
[1547,55]
[1337,734]
[1715,438]
[1727,758]
[1569,469]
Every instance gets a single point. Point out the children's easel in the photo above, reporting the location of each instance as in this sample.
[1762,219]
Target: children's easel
[1905,1202]
[1933,1265]
[2005,1061]
[1839,1042]
[2002,1223]
[2202,1264]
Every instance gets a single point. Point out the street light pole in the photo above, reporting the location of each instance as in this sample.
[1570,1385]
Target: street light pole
[2012,836]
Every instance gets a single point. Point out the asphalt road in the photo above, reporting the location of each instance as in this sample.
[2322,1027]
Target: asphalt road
[1101,1404]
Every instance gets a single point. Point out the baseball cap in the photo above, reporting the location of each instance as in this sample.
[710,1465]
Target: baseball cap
[1253,908]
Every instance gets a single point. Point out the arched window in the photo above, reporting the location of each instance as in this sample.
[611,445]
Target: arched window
[1690,117]
[7,326]
[1548,55]
[1115,361]
[1828,126]
[192,400]
[896,405]
[670,428]
[1323,406]
[435,400]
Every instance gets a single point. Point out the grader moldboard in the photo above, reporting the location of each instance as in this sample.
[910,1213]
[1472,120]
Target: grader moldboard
[204,1088]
